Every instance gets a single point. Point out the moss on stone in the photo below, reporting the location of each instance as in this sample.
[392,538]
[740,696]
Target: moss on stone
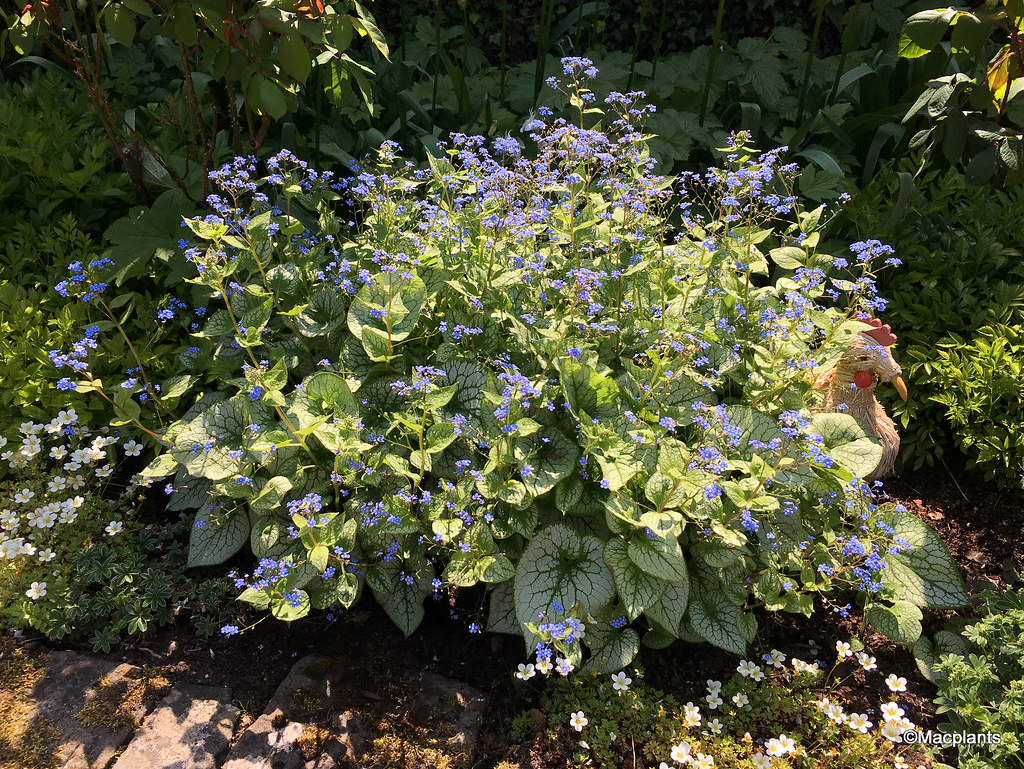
[119,705]
[26,741]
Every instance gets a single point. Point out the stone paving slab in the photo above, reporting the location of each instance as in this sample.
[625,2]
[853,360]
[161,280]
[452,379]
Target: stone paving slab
[190,729]
[62,694]
[320,691]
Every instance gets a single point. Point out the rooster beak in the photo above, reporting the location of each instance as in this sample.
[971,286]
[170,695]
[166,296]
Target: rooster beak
[900,385]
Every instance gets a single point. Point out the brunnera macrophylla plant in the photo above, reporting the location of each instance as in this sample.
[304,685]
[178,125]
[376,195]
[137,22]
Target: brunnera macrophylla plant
[537,366]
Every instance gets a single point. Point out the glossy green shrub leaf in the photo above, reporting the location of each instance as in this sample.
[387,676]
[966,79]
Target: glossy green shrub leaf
[294,56]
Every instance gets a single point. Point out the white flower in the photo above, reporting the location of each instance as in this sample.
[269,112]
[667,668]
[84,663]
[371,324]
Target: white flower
[72,466]
[68,417]
[24,496]
[896,683]
[761,761]
[114,527]
[621,682]
[740,700]
[577,720]
[58,452]
[103,472]
[866,662]
[899,763]
[54,427]
[757,674]
[715,726]
[57,483]
[859,723]
[702,761]
[36,591]
[713,700]
[3,441]
[892,731]
[691,715]
[11,548]
[843,649]
[544,666]
[563,666]
[45,519]
[891,711]
[76,482]
[776,658]
[30,428]
[714,687]
[526,672]
[46,555]
[746,667]
[835,712]
[132,449]
[31,445]
[680,752]
[81,456]
[781,745]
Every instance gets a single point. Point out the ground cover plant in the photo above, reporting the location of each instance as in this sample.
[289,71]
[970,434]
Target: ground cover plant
[511,369]
[774,711]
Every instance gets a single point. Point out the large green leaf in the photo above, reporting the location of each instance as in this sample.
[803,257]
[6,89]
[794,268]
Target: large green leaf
[553,455]
[560,566]
[322,315]
[148,235]
[589,392]
[610,650]
[659,557]
[756,426]
[212,542]
[926,575]
[927,652]
[341,589]
[189,493]
[669,610]
[501,610]
[637,589]
[901,622]
[392,311]
[849,442]
[716,618]
[404,603]
[331,390]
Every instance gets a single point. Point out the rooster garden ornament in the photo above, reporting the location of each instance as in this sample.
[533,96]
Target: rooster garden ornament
[849,387]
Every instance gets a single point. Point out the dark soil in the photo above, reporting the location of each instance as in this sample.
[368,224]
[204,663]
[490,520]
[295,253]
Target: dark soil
[980,524]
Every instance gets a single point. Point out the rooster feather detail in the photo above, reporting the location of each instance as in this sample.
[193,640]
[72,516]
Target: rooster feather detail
[849,387]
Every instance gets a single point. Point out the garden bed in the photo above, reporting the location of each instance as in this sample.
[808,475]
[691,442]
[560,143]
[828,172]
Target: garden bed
[979,523]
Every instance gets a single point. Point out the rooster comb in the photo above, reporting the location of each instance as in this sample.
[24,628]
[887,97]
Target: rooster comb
[880,332]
